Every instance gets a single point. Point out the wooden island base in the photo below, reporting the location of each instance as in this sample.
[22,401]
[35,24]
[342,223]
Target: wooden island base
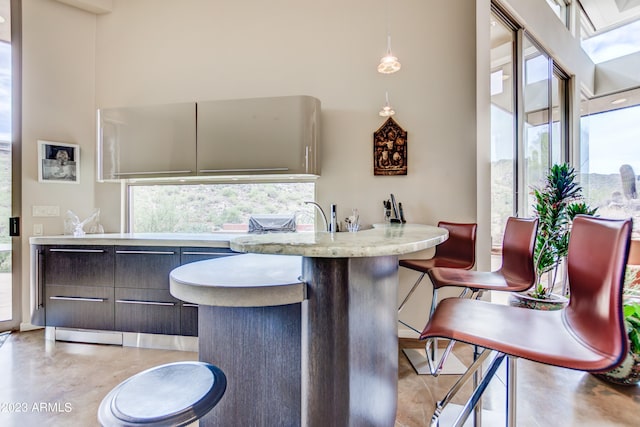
[331,360]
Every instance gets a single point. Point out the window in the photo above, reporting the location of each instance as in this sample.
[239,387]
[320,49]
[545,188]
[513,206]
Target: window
[561,10]
[502,127]
[216,207]
[613,44]
[610,155]
[529,121]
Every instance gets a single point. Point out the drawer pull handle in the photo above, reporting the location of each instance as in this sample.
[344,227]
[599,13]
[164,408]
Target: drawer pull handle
[79,299]
[244,170]
[147,252]
[85,251]
[190,305]
[151,172]
[133,301]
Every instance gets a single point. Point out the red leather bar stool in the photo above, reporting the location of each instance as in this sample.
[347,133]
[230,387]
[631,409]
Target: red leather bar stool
[458,251]
[516,274]
[587,335]
[175,394]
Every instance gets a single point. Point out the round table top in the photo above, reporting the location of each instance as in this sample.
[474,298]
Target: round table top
[247,280]
[391,239]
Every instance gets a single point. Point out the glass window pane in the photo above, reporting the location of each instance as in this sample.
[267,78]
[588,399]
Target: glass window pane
[6,291]
[502,128]
[613,44]
[559,7]
[558,122]
[209,208]
[610,161]
[536,149]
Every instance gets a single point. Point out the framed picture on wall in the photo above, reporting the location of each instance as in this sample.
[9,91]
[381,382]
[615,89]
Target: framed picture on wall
[58,162]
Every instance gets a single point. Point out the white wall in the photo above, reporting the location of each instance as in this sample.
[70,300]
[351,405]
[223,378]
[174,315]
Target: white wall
[159,51]
[58,78]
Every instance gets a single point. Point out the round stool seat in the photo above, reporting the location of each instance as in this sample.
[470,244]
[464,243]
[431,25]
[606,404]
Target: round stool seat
[174,394]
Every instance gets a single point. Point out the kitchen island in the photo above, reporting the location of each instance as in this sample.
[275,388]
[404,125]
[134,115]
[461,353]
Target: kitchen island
[326,356]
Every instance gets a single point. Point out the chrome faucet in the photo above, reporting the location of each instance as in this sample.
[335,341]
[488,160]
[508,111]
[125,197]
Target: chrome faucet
[324,217]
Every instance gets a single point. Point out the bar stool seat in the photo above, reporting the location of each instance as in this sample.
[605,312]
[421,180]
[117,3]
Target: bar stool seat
[175,394]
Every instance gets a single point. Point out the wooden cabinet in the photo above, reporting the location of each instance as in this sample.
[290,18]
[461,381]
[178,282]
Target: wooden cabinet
[74,286]
[115,288]
[149,141]
[188,311]
[143,301]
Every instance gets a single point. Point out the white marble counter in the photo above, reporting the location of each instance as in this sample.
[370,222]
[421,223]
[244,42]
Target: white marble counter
[379,241]
[209,240]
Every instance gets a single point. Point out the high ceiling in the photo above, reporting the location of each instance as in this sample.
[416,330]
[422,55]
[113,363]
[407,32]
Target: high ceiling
[608,14]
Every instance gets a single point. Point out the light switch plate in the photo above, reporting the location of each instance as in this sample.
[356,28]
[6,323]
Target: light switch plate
[37,230]
[44,211]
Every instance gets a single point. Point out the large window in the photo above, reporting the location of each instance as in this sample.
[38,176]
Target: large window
[611,155]
[216,207]
[529,126]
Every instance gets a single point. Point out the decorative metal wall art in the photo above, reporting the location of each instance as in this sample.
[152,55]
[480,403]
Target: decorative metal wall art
[390,149]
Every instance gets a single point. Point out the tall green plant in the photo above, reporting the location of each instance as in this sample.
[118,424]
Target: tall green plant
[558,201]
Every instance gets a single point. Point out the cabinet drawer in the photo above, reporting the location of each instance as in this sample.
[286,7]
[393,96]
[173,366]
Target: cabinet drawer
[145,267]
[88,307]
[79,265]
[188,255]
[151,311]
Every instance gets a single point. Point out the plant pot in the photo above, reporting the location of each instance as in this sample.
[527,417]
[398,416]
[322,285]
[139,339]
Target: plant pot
[628,373]
[522,299]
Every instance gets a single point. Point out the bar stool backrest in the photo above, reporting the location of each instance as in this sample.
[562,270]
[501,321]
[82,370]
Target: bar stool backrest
[594,312]
[517,253]
[461,244]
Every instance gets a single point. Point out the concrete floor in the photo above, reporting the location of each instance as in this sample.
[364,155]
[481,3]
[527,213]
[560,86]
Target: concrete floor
[62,384]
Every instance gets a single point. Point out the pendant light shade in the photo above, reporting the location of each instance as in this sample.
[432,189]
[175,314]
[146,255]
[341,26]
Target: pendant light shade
[388,63]
[386,111]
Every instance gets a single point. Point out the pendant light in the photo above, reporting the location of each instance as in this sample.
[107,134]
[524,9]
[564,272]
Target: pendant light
[387,111]
[388,63]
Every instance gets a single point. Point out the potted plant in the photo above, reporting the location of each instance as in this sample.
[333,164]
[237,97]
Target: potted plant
[557,201]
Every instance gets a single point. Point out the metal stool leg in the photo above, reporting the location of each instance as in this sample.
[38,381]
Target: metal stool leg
[512,366]
[477,392]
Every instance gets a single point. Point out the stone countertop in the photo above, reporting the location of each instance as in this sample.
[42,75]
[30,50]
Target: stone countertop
[380,241]
[248,280]
[209,240]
